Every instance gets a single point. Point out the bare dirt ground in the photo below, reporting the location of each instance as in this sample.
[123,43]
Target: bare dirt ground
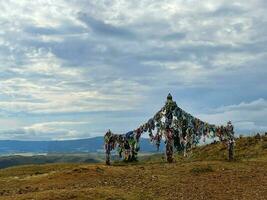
[190,178]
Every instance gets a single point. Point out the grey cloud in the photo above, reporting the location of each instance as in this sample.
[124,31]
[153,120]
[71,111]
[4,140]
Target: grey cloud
[100,27]
[174,36]
[42,30]
[50,31]
[229,10]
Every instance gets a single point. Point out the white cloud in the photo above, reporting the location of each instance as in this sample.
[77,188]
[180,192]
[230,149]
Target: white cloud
[81,56]
[247,117]
[236,60]
[48,126]
[56,130]
[52,93]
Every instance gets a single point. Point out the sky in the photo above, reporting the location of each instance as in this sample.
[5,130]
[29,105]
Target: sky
[75,68]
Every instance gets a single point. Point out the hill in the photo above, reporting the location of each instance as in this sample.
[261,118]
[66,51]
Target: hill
[65,146]
[13,153]
[204,174]
[15,160]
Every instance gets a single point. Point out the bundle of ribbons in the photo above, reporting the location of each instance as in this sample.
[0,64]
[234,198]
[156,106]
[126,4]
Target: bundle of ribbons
[180,130]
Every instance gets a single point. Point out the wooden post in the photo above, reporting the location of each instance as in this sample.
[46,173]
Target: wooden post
[169,145]
[108,156]
[231,150]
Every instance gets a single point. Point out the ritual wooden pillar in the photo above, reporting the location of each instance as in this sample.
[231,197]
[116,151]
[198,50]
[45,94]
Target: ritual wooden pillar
[108,154]
[231,150]
[169,145]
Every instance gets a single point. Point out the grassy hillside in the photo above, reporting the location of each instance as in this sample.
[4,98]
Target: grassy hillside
[15,160]
[205,174]
[246,148]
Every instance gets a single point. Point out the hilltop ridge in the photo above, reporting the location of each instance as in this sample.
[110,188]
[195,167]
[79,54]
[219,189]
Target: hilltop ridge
[204,174]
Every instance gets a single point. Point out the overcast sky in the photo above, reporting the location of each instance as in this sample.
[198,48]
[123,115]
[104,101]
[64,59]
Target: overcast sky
[75,68]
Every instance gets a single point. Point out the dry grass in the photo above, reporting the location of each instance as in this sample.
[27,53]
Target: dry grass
[202,176]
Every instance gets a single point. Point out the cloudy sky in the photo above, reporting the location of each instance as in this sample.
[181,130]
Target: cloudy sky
[74,68]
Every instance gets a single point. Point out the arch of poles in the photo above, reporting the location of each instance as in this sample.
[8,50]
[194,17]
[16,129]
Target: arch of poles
[180,130]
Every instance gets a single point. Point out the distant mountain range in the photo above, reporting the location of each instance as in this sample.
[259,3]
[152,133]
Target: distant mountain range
[89,145]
